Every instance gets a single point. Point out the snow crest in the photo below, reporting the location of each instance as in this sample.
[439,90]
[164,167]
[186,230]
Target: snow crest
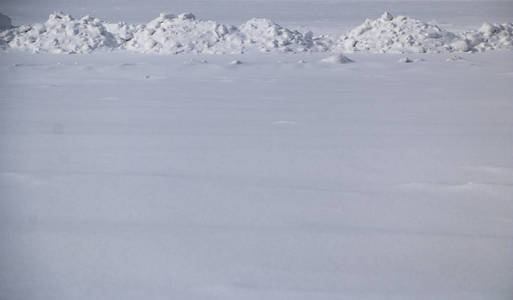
[184,33]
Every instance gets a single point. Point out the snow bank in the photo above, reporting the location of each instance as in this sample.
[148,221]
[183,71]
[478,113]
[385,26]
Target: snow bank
[170,34]
[401,34]
[167,34]
[489,37]
[266,35]
[396,35]
[61,34]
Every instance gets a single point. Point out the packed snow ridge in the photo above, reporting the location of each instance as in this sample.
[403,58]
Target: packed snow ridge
[170,34]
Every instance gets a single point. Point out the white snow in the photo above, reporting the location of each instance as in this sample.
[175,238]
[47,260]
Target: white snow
[126,175]
[402,34]
[272,181]
[398,35]
[167,34]
[490,37]
[265,36]
[170,34]
[61,34]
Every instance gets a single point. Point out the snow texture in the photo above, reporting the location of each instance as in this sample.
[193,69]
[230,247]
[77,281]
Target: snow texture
[257,176]
[397,35]
[143,177]
[184,33]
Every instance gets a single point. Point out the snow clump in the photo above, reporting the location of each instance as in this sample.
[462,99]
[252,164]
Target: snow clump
[337,59]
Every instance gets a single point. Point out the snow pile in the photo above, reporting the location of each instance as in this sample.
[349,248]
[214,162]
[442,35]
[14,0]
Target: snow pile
[61,34]
[266,35]
[167,34]
[489,37]
[389,34]
[170,34]
[397,35]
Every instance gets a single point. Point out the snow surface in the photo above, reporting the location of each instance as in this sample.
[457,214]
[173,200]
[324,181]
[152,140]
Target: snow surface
[186,177]
[170,34]
[256,176]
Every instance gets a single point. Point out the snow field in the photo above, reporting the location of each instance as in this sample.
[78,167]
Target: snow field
[146,176]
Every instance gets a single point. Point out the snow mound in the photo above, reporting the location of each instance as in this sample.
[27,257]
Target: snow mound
[184,33]
[337,59]
[389,34]
[265,35]
[489,37]
[61,34]
[169,34]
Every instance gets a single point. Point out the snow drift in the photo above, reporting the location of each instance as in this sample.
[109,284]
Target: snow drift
[184,33]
